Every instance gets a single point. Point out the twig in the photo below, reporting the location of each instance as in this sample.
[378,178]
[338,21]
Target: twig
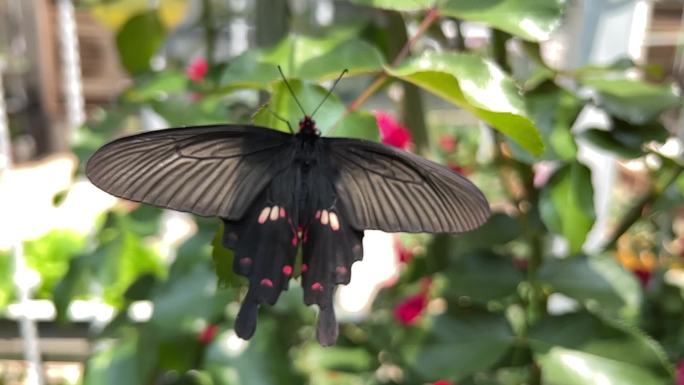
[430,18]
[637,210]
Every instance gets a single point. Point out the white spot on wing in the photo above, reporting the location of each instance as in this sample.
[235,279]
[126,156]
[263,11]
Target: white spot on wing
[264,215]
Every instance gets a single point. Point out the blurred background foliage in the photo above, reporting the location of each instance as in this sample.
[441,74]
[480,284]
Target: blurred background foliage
[522,300]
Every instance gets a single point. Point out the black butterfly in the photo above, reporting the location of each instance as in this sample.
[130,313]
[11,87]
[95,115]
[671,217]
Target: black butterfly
[277,192]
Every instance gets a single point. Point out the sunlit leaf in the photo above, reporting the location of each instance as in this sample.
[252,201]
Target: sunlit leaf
[477,85]
[533,20]
[50,256]
[581,348]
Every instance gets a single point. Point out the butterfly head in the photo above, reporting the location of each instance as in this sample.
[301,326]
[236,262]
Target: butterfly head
[307,126]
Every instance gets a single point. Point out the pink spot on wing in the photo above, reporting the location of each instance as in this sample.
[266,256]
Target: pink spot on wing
[318,214]
[287,270]
[282,212]
[266,282]
[305,267]
[317,286]
[341,270]
[245,261]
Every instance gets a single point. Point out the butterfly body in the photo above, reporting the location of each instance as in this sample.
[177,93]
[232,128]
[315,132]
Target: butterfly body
[279,193]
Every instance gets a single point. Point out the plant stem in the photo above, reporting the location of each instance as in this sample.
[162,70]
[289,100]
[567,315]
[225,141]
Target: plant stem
[499,52]
[432,15]
[209,31]
[637,210]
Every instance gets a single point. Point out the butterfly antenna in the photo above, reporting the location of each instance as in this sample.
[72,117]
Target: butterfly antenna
[291,91]
[282,120]
[329,92]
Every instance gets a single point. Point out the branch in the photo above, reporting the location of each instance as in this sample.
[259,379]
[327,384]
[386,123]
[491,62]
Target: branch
[429,19]
[637,210]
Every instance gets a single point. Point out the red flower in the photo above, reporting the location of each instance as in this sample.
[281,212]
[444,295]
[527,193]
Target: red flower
[644,275]
[447,143]
[680,373]
[208,334]
[405,255]
[443,382]
[197,70]
[409,310]
[459,169]
[392,132]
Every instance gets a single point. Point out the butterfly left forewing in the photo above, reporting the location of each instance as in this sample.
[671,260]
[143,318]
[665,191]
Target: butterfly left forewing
[209,170]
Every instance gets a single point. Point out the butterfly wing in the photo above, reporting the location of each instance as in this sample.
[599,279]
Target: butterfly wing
[388,189]
[208,170]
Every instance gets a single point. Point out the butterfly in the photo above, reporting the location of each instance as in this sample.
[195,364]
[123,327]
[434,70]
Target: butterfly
[279,192]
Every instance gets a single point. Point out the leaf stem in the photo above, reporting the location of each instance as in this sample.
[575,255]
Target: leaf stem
[637,210]
[210,32]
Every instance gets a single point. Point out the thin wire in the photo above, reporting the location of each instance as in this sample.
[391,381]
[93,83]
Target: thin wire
[290,88]
[329,92]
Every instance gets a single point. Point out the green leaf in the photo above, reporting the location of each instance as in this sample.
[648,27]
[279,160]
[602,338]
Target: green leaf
[126,259]
[599,282]
[113,365]
[315,357]
[567,204]
[460,344]
[554,111]
[262,361]
[181,301]
[605,140]
[223,261]
[75,282]
[158,87]
[483,277]
[357,56]
[532,20]
[139,40]
[397,5]
[581,348]
[635,101]
[477,85]
[305,58]
[332,118]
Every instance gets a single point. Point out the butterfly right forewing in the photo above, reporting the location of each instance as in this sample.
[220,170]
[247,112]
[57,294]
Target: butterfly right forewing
[387,189]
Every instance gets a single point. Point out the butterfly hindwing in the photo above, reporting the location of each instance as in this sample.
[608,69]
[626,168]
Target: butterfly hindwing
[265,249]
[330,248]
[392,190]
[208,170]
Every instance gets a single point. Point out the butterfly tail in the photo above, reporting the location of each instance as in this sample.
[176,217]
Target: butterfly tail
[329,250]
[265,247]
